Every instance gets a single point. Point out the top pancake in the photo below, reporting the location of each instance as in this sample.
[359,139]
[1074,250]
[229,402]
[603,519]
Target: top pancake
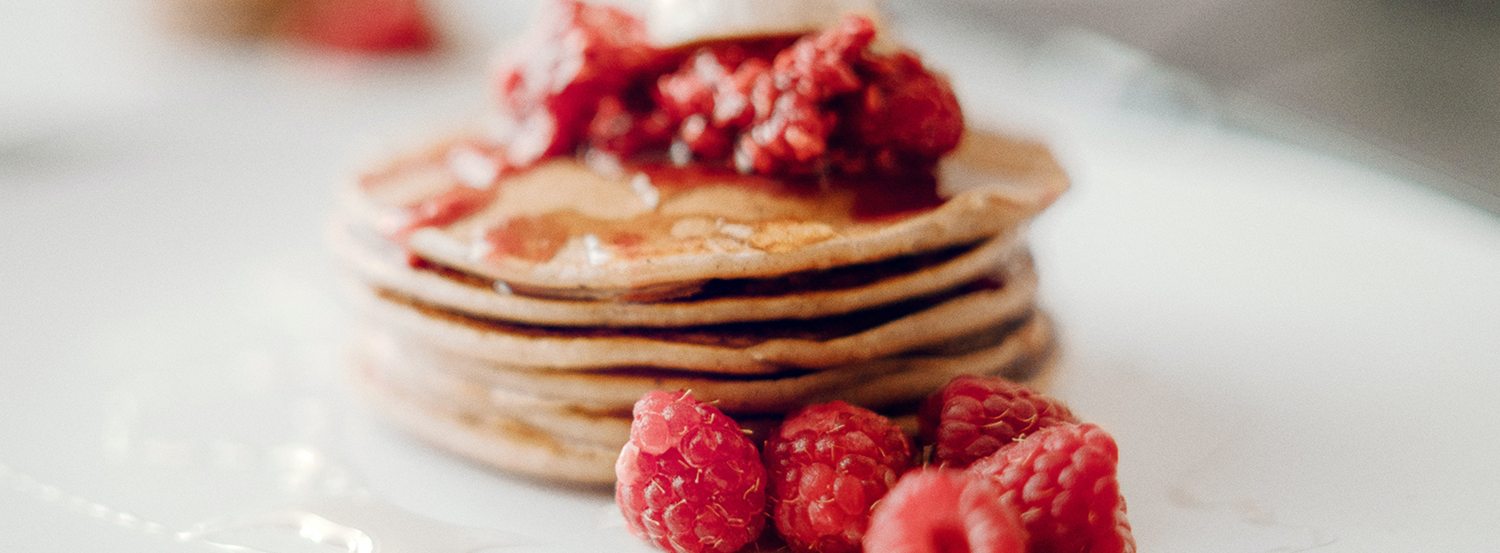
[608,231]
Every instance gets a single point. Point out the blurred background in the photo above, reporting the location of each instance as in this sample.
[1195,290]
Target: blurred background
[1406,85]
[1411,87]
[170,332]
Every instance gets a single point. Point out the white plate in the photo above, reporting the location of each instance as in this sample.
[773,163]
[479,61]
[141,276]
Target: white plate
[1293,351]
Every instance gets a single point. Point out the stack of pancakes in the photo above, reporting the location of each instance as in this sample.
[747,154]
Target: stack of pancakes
[520,333]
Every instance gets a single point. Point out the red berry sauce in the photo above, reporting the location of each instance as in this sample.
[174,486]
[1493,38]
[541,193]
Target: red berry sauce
[822,105]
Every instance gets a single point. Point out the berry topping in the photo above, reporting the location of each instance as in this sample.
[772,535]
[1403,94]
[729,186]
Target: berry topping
[828,463]
[906,117]
[811,106]
[972,416]
[549,88]
[1062,481]
[688,480]
[943,511]
[791,128]
[710,96]
[626,130]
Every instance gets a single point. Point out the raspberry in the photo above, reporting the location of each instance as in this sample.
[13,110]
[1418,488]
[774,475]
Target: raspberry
[972,416]
[710,100]
[1062,481]
[828,464]
[688,480]
[619,129]
[943,510]
[907,116]
[548,88]
[791,128]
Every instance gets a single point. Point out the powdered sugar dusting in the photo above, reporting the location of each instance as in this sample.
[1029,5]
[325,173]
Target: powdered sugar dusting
[472,168]
[641,185]
[735,230]
[604,163]
[595,251]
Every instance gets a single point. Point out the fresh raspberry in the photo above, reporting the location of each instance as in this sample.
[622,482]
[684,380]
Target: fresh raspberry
[791,127]
[624,131]
[907,117]
[972,416]
[828,464]
[941,511]
[821,65]
[710,96]
[1062,481]
[688,480]
[549,87]
[732,107]
[690,90]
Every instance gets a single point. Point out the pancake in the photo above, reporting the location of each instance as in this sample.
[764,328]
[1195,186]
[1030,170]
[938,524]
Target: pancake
[542,438]
[739,348]
[589,233]
[736,219]
[799,296]
[502,443]
[874,384]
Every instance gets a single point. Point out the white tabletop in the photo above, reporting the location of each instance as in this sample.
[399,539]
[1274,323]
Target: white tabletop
[1292,350]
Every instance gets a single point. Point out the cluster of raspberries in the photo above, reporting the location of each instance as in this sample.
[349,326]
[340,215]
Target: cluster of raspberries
[819,104]
[997,468]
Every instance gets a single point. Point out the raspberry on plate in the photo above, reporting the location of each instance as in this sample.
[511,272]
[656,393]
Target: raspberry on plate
[362,25]
[1062,481]
[943,510]
[972,416]
[828,464]
[688,480]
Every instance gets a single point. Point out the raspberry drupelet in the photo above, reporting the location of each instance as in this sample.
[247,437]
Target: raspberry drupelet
[688,480]
[548,88]
[1062,481]
[972,416]
[828,464]
[944,511]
